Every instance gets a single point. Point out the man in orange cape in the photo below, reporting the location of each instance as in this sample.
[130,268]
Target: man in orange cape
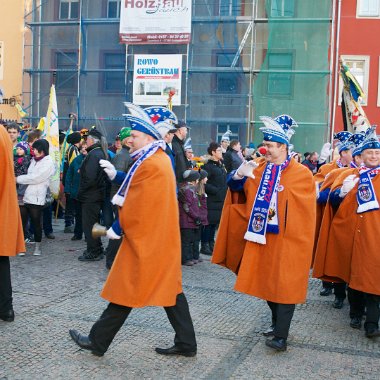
[11,234]
[352,250]
[267,228]
[342,140]
[147,267]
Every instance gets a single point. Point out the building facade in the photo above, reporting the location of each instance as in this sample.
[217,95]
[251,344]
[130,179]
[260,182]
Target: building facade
[11,57]
[246,58]
[359,47]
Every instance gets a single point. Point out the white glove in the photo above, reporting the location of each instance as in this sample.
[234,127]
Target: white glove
[348,184]
[325,152]
[108,168]
[111,234]
[245,170]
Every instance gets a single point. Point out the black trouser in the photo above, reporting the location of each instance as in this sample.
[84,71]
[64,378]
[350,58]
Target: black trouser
[190,238]
[373,312]
[282,315]
[78,229]
[90,216]
[356,299]
[5,285]
[69,211]
[33,212]
[340,290]
[47,220]
[114,316]
[208,233]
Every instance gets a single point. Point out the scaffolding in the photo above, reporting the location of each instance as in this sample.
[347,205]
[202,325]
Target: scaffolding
[226,69]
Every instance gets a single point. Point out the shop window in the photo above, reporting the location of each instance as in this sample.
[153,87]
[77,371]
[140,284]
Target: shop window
[368,8]
[113,9]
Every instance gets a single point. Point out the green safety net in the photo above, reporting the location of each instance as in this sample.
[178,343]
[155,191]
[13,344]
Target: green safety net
[294,76]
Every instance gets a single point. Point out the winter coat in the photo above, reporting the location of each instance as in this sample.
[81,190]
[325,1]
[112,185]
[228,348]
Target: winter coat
[11,234]
[37,179]
[232,160]
[73,176]
[92,185]
[180,159]
[122,161]
[216,189]
[192,208]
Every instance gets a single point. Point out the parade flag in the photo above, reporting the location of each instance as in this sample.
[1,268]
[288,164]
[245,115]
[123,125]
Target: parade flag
[354,117]
[21,111]
[51,132]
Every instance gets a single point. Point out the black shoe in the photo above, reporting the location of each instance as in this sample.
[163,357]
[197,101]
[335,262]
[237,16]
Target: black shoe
[8,316]
[205,249]
[175,350]
[338,303]
[356,323]
[76,238]
[90,257]
[372,333]
[84,342]
[325,292]
[50,236]
[276,343]
[269,332]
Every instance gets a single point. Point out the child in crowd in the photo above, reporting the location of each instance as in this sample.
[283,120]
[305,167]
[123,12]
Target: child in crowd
[21,162]
[202,197]
[190,214]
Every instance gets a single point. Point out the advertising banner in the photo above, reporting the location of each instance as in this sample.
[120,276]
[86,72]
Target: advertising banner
[154,77]
[155,22]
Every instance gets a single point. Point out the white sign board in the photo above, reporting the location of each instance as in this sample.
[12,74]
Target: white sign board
[154,77]
[155,22]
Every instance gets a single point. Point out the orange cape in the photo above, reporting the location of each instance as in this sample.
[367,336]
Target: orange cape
[277,271]
[147,267]
[11,234]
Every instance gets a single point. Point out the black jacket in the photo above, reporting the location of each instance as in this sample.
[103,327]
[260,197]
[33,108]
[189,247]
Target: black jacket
[232,160]
[92,185]
[180,159]
[216,189]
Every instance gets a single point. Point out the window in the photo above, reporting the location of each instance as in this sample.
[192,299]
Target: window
[68,9]
[226,83]
[113,9]
[367,8]
[229,8]
[282,8]
[66,80]
[114,81]
[359,67]
[1,60]
[280,84]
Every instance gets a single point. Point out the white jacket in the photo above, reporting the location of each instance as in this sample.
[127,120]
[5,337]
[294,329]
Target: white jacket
[37,179]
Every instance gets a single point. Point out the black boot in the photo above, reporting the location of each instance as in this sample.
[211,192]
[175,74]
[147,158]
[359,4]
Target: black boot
[205,249]
[211,244]
[84,342]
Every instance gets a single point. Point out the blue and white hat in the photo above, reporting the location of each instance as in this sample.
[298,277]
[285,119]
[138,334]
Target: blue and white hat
[226,136]
[141,125]
[357,139]
[371,140]
[344,142]
[279,129]
[158,114]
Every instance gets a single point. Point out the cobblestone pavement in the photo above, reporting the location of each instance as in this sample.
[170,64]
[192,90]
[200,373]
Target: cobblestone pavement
[56,292]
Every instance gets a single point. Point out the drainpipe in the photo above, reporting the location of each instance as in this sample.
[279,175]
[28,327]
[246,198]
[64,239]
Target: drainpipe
[336,79]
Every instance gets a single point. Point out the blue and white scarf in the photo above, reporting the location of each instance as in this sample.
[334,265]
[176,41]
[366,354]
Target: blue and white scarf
[366,195]
[264,215]
[139,156]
